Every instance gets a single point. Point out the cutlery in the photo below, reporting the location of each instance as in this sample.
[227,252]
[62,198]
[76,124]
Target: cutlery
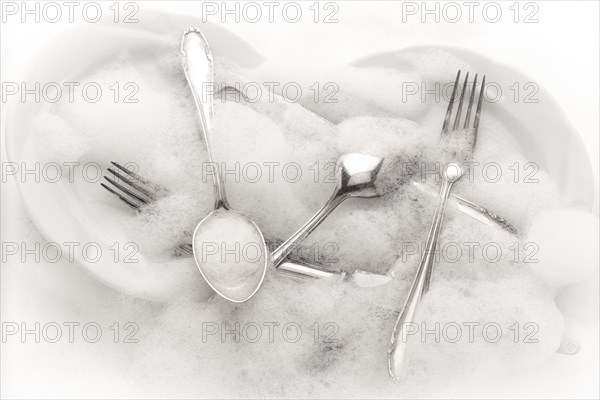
[356,175]
[473,210]
[137,192]
[451,174]
[467,207]
[235,281]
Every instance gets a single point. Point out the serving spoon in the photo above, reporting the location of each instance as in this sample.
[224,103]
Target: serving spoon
[229,248]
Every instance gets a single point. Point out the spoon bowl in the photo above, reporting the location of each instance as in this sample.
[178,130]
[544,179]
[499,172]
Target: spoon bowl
[356,175]
[231,254]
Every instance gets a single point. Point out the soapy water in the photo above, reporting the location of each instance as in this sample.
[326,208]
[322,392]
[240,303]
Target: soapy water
[502,304]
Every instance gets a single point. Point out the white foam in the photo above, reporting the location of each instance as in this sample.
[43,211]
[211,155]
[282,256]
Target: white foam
[160,135]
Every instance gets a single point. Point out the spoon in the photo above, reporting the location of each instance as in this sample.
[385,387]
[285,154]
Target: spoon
[451,174]
[229,248]
[355,177]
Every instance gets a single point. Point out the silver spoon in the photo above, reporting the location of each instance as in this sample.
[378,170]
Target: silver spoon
[238,276]
[451,174]
[355,176]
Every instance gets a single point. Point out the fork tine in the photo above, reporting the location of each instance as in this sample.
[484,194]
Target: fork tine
[460,103]
[120,196]
[127,191]
[186,248]
[127,171]
[478,112]
[134,190]
[136,186]
[450,104]
[470,107]
[146,182]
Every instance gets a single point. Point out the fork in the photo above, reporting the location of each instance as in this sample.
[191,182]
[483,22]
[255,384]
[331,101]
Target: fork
[474,130]
[451,174]
[137,192]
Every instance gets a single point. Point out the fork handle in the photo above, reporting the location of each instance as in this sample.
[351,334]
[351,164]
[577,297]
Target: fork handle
[419,286]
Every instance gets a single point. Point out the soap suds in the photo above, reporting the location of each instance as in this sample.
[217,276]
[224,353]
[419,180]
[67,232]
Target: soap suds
[345,329]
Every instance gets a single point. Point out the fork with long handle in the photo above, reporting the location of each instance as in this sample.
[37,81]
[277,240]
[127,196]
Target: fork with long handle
[452,173]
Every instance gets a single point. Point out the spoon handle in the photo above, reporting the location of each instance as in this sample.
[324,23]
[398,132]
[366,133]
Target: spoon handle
[473,210]
[197,62]
[420,284]
[281,252]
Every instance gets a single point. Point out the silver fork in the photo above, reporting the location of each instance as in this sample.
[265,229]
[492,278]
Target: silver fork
[137,192]
[422,280]
[452,173]
[141,191]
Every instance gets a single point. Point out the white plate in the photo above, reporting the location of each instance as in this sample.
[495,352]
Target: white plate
[64,212]
[545,136]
